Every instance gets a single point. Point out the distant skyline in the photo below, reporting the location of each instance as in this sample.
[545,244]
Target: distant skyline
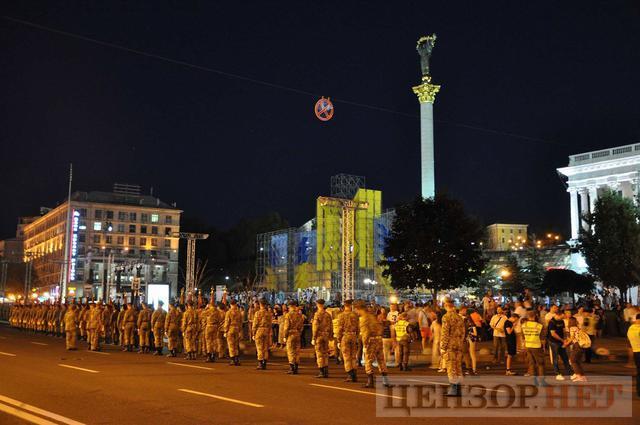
[523,87]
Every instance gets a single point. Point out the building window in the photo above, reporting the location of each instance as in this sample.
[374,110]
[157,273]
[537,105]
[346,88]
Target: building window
[519,230]
[96,238]
[167,231]
[510,230]
[122,216]
[143,241]
[167,243]
[120,240]
[109,239]
[167,219]
[98,214]
[83,212]
[154,230]
[132,216]
[154,241]
[144,217]
[97,225]
[502,230]
[143,229]
[132,228]
[110,215]
[120,228]
[132,241]
[155,218]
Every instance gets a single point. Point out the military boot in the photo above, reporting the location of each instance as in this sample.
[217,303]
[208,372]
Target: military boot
[236,361]
[292,369]
[454,391]
[295,369]
[325,372]
[320,373]
[264,365]
[354,375]
[370,381]
[406,367]
[349,377]
[385,379]
[401,367]
[259,367]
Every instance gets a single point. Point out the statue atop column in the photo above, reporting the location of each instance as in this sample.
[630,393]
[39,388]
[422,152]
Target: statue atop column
[425,47]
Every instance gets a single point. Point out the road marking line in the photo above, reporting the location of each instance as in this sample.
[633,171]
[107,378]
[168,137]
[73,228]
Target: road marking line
[7,354]
[358,391]
[190,365]
[24,415]
[100,352]
[39,343]
[78,368]
[232,400]
[39,411]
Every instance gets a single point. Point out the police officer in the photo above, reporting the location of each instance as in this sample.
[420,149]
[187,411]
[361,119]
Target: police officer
[157,324]
[232,331]
[451,346]
[322,327]
[347,340]
[371,335]
[293,326]
[261,333]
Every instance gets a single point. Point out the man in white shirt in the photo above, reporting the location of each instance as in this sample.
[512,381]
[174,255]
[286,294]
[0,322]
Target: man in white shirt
[499,343]
[550,314]
[520,310]
[486,305]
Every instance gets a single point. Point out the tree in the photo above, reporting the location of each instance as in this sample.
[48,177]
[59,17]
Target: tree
[612,247]
[558,281]
[534,271]
[513,277]
[434,243]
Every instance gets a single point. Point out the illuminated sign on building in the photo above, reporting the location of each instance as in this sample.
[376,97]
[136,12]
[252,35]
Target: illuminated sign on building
[74,245]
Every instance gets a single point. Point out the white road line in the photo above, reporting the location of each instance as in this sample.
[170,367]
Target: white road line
[231,400]
[78,368]
[358,391]
[38,343]
[7,354]
[39,411]
[190,365]
[100,352]
[24,415]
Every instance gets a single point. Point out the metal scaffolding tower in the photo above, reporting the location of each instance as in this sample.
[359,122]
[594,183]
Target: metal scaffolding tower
[346,185]
[348,208]
[190,280]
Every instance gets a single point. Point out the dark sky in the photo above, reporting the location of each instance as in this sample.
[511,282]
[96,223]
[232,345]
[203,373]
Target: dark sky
[563,73]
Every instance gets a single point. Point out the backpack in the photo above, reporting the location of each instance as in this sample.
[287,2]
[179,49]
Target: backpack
[583,339]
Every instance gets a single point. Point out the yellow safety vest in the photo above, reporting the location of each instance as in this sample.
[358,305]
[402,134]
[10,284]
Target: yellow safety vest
[531,331]
[401,329]
[634,337]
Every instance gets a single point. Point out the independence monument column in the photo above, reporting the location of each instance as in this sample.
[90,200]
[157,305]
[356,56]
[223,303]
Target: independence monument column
[426,93]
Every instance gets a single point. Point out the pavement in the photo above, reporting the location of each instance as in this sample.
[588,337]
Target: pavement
[41,382]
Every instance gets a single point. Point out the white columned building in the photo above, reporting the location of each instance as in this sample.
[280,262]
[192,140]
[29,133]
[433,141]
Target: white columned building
[589,173]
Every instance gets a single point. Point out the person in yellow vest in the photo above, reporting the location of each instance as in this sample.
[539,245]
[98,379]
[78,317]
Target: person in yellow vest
[403,341]
[71,327]
[144,327]
[634,339]
[261,333]
[171,328]
[322,329]
[347,340]
[531,330]
[157,325]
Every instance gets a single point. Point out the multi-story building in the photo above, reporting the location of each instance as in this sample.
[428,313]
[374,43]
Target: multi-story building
[503,237]
[114,238]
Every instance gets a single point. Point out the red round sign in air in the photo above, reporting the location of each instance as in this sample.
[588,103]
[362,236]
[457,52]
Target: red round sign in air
[324,109]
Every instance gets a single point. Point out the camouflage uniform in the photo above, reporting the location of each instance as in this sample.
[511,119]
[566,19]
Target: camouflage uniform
[157,324]
[201,315]
[293,325]
[189,332]
[70,327]
[144,327]
[171,327]
[322,329]
[261,332]
[371,334]
[347,336]
[94,325]
[215,320]
[452,343]
[107,323]
[233,329]
[128,325]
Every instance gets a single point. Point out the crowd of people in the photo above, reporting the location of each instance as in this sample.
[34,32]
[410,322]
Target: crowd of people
[355,334]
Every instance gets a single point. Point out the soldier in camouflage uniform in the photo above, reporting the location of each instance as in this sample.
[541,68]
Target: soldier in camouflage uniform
[215,321]
[293,326]
[190,331]
[347,340]
[94,326]
[157,324]
[171,328]
[322,328]
[232,331]
[70,327]
[371,334]
[144,327]
[451,346]
[261,333]
[128,326]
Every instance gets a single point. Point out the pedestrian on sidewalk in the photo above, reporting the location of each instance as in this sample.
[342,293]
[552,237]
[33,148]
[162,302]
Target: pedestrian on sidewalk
[575,338]
[633,334]
[510,337]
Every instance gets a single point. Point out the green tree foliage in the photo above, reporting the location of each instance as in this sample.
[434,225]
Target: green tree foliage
[534,271]
[558,281]
[513,278]
[612,250]
[434,243]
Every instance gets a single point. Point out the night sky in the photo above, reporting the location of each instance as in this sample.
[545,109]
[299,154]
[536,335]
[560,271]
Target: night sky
[563,76]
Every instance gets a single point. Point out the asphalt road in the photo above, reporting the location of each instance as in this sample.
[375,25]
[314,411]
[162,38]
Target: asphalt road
[41,382]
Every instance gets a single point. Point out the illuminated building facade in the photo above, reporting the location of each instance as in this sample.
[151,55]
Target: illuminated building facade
[115,238]
[503,237]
